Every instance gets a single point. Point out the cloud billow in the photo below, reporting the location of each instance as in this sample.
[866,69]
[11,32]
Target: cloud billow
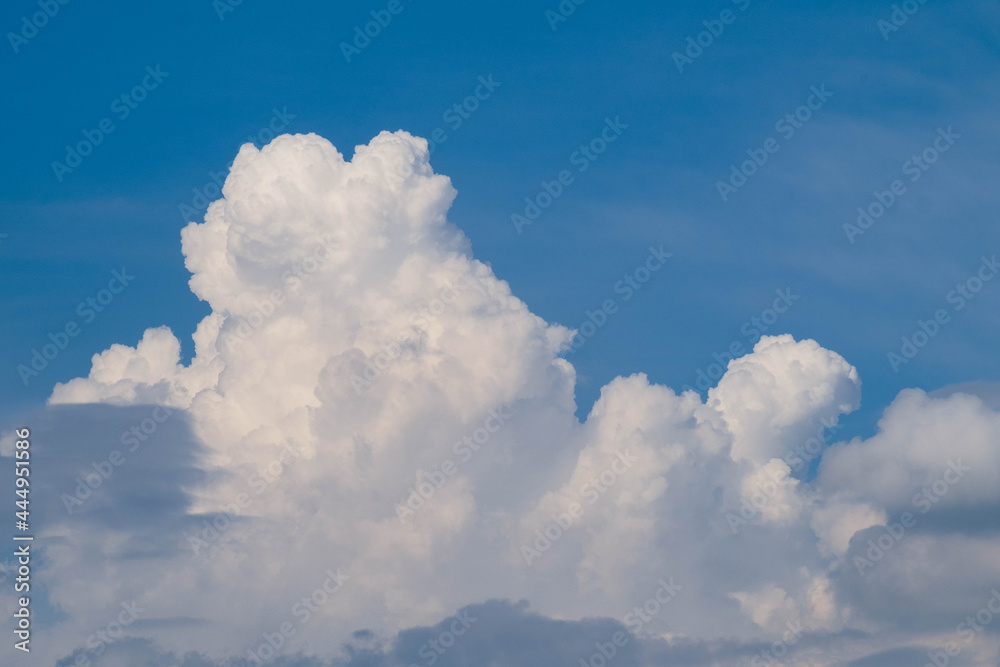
[315,268]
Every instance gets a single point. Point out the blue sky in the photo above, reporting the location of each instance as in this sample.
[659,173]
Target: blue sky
[623,134]
[656,185]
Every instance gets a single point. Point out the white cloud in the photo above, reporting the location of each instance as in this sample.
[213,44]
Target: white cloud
[772,398]
[951,441]
[351,323]
[837,522]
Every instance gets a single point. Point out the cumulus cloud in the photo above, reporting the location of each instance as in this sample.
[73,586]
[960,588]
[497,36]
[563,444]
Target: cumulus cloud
[375,432]
[772,398]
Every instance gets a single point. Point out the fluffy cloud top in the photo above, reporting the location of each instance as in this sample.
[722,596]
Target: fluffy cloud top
[369,403]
